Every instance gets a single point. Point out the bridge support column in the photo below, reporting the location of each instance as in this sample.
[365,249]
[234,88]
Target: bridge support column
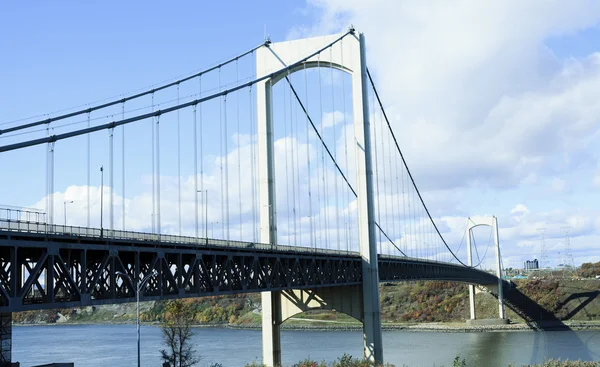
[280,306]
[471,286]
[271,328]
[5,339]
[491,222]
[373,348]
[271,301]
[352,59]
[498,269]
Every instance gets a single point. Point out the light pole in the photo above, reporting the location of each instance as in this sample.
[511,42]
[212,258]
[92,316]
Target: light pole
[205,214]
[137,300]
[65,209]
[212,229]
[101,196]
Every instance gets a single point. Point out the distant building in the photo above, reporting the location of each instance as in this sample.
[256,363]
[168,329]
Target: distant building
[531,264]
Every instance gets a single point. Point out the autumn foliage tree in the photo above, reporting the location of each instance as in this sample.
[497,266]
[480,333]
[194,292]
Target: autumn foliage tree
[590,270]
[177,335]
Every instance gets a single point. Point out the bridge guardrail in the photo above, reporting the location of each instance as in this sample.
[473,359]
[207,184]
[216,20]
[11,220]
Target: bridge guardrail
[17,220]
[17,214]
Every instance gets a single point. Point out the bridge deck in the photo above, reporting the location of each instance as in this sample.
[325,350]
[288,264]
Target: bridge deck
[44,266]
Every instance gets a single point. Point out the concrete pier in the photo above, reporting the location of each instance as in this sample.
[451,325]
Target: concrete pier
[5,339]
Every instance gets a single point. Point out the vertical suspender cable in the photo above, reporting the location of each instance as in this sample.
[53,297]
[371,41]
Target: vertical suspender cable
[415,214]
[51,185]
[89,154]
[320,223]
[202,190]
[423,244]
[153,172]
[111,164]
[226,138]
[336,189]
[287,183]
[48,177]
[123,165]
[323,168]
[397,226]
[378,201]
[221,158]
[408,200]
[411,210]
[294,160]
[48,190]
[347,216]
[253,167]
[404,204]
[385,181]
[178,166]
[310,213]
[239,149]
[196,174]
[158,223]
[408,213]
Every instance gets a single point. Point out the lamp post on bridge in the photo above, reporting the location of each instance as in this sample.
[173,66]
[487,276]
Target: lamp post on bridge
[205,214]
[138,288]
[212,228]
[65,209]
[101,197]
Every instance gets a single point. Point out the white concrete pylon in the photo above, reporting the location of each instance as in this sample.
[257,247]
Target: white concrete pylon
[347,55]
[470,263]
[491,222]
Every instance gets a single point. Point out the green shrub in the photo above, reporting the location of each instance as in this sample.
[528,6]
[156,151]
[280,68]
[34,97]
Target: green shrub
[310,363]
[567,363]
[255,363]
[458,362]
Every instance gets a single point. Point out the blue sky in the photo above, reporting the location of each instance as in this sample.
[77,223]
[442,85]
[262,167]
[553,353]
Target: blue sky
[495,111]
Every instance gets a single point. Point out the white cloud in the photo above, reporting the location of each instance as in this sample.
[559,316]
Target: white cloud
[519,210]
[467,93]
[558,185]
[332,118]
[478,102]
[479,105]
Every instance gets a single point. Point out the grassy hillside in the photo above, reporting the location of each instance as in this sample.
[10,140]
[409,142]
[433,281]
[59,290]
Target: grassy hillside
[400,303]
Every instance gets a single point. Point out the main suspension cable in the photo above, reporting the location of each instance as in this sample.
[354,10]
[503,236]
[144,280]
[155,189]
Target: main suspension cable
[134,96]
[408,170]
[220,93]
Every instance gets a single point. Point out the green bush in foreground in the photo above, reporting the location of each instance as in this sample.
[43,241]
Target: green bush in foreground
[559,363]
[347,360]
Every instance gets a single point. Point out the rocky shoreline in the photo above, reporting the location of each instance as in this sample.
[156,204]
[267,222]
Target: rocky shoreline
[437,327]
[411,327]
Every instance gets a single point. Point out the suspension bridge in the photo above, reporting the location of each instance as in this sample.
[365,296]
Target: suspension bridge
[276,171]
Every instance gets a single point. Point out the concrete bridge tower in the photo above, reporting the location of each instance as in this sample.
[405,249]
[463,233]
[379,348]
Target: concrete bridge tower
[491,222]
[361,302]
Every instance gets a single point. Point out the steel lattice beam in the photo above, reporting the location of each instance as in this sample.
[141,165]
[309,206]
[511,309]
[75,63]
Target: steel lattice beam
[40,271]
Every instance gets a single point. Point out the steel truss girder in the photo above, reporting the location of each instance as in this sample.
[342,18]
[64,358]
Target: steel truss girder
[39,271]
[59,274]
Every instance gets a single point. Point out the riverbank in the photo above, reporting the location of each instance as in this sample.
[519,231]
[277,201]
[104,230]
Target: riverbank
[319,325]
[416,306]
[452,327]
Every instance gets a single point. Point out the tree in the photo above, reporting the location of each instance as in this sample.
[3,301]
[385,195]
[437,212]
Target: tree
[177,334]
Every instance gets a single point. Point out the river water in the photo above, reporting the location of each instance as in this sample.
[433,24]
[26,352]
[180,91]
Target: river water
[115,345]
